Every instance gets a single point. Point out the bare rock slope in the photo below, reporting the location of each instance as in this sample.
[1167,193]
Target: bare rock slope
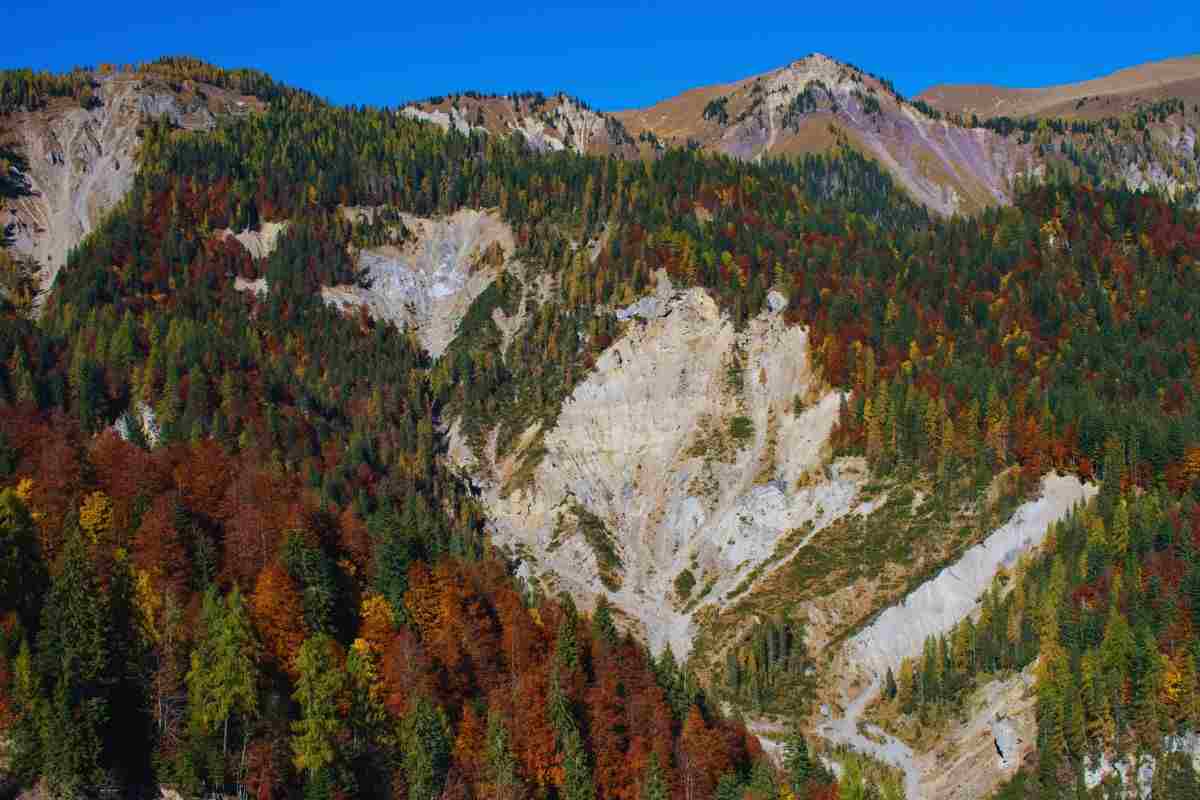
[548,123]
[690,447]
[83,161]
[967,759]
[939,604]
[817,102]
[428,282]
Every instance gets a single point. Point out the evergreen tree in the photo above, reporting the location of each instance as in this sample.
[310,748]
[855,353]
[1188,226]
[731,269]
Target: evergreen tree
[728,788]
[502,774]
[223,679]
[654,787]
[28,712]
[320,687]
[22,572]
[602,622]
[797,763]
[425,747]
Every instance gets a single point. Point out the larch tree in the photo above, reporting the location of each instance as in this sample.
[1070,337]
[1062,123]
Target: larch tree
[321,687]
[223,679]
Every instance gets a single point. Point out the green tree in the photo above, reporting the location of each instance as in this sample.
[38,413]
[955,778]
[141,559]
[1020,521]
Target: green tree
[29,708]
[602,622]
[797,762]
[425,745]
[654,786]
[577,769]
[320,687]
[728,787]
[501,764]
[75,666]
[223,679]
[1118,537]
[22,572]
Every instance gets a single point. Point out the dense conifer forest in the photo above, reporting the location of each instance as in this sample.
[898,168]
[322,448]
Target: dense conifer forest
[234,560]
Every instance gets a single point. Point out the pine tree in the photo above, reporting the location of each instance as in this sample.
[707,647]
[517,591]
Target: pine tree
[602,623]
[23,576]
[577,770]
[728,787]
[1117,647]
[1119,533]
[25,388]
[75,663]
[25,756]
[1113,477]
[996,417]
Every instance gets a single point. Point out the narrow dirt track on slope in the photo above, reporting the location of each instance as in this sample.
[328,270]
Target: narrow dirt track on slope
[880,745]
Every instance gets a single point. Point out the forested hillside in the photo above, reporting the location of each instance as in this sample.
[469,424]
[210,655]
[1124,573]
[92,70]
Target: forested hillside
[236,559]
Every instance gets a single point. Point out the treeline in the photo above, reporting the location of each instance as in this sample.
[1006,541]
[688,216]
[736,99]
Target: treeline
[26,90]
[1146,114]
[178,69]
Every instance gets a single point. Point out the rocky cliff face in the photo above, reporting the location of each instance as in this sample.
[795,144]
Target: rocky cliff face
[548,123]
[691,447]
[428,282]
[940,603]
[82,161]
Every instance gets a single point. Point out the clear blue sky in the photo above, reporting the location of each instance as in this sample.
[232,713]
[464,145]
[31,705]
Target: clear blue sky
[614,55]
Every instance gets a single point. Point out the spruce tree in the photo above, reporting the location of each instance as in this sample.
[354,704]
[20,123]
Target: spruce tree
[797,763]
[501,764]
[425,746]
[75,664]
[602,623]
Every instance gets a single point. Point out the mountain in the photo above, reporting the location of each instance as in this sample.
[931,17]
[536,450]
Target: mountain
[1122,92]
[79,148]
[496,447]
[816,103]
[548,123]
[942,162]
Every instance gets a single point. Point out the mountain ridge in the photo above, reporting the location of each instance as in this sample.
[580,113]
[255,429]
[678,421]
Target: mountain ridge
[1118,92]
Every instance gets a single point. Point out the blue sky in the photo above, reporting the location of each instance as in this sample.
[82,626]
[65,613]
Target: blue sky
[614,55]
